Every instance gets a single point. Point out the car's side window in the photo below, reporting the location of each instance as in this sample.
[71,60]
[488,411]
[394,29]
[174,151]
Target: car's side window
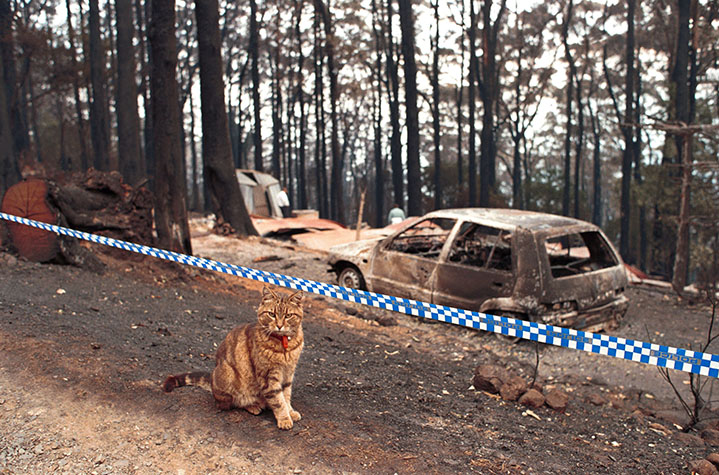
[482,246]
[572,254]
[425,238]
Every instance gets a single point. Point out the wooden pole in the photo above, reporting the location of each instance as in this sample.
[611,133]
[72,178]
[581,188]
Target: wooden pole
[360,211]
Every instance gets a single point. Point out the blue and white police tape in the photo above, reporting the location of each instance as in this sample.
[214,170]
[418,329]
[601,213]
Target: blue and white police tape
[705,364]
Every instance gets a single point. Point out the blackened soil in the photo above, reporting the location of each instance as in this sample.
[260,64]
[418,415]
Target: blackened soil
[82,356]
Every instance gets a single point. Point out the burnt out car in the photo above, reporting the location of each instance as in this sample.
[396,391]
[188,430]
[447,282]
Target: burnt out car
[534,266]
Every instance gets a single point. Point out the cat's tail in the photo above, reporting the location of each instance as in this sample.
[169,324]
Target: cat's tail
[198,378]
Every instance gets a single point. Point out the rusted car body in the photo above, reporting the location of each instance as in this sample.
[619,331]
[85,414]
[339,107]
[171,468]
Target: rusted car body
[536,266]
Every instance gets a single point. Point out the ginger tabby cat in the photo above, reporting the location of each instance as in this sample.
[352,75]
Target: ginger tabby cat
[255,364]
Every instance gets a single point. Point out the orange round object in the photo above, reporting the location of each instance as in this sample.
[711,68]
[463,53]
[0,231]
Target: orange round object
[27,199]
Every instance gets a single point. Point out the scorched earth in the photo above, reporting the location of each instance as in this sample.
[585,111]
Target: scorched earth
[82,356]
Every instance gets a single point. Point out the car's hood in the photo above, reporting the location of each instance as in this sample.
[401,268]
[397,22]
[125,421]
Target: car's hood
[354,249]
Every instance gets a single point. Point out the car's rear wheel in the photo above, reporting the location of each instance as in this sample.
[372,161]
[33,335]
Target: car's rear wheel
[351,277]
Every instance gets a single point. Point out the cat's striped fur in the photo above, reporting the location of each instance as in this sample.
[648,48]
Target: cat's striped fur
[255,364]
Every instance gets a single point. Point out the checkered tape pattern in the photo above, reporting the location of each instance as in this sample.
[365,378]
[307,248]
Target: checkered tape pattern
[705,364]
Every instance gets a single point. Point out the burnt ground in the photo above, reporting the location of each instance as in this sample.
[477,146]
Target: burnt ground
[82,356]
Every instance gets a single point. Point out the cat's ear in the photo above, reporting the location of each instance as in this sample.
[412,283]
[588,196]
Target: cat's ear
[297,297]
[268,294]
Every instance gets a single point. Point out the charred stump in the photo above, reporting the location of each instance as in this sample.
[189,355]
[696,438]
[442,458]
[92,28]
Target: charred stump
[93,201]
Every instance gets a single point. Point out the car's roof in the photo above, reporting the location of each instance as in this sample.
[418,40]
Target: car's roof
[510,218]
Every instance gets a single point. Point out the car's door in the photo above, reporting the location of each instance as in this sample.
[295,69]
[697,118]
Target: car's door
[404,265]
[478,266]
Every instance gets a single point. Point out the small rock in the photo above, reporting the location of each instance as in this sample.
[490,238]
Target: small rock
[713,458]
[488,377]
[532,398]
[514,387]
[703,467]
[557,400]
[350,310]
[596,399]
[386,321]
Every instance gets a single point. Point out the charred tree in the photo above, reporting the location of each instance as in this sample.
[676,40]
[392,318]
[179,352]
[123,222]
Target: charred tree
[683,107]
[301,153]
[277,126]
[472,106]
[596,156]
[392,86]
[336,182]
[13,94]
[227,201]
[320,141]
[579,144]
[141,11]
[571,72]
[171,224]
[99,115]
[76,87]
[414,185]
[9,173]
[379,182]
[460,113]
[132,163]
[489,92]
[254,48]
[628,133]
[435,110]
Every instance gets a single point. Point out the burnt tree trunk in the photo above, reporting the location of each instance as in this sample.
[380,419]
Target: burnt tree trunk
[99,115]
[683,106]
[392,84]
[142,21]
[84,161]
[227,201]
[173,232]
[579,145]
[414,179]
[435,111]
[132,163]
[337,210]
[473,68]
[489,92]
[320,142]
[9,173]
[628,133]
[571,71]
[460,114]
[13,94]
[379,182]
[301,153]
[596,157]
[255,72]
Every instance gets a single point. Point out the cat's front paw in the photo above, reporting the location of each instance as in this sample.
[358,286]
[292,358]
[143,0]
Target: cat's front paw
[285,424]
[296,416]
[254,409]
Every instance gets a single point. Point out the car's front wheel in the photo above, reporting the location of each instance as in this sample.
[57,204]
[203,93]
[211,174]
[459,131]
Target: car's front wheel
[351,277]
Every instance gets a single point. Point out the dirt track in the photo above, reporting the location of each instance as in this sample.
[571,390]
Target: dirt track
[80,369]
